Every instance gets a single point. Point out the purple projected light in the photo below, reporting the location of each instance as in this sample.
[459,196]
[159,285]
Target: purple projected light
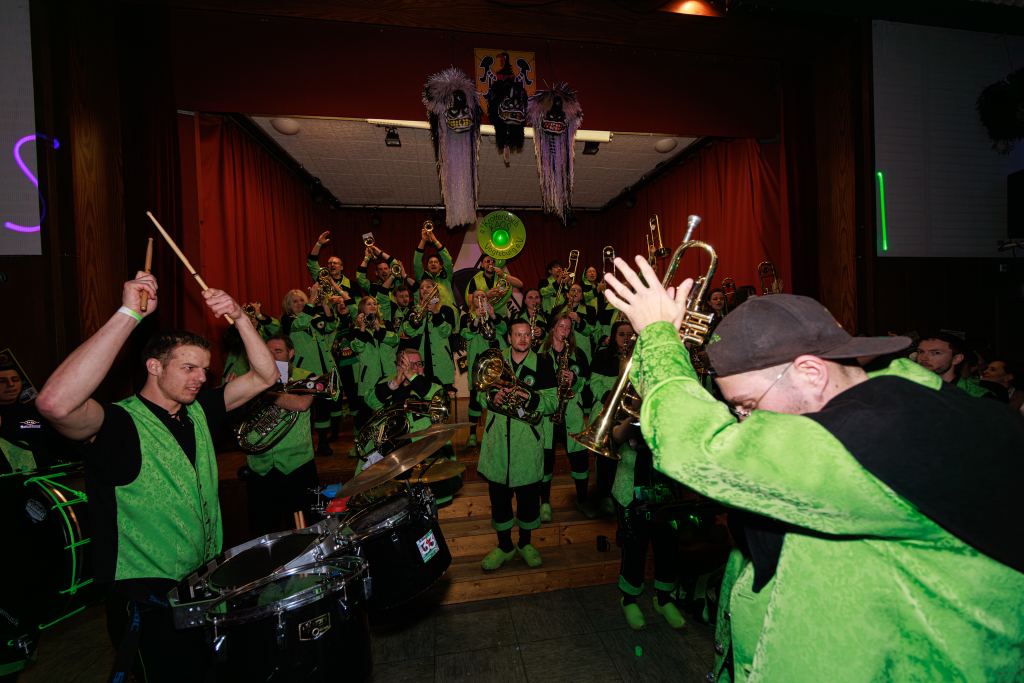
[35,182]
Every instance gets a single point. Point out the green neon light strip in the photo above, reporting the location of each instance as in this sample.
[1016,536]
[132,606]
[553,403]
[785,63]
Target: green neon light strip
[881,195]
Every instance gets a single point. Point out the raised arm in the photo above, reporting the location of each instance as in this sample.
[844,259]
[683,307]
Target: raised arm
[64,400]
[262,369]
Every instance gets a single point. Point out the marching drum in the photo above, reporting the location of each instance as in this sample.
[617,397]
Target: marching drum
[49,569]
[400,537]
[301,624]
[243,564]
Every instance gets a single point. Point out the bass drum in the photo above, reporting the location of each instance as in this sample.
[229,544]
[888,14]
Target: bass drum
[47,569]
[302,624]
[402,540]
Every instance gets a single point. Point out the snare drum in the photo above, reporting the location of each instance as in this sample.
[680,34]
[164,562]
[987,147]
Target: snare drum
[400,537]
[302,624]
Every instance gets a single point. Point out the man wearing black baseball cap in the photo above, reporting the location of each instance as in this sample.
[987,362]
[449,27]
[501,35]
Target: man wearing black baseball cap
[885,544]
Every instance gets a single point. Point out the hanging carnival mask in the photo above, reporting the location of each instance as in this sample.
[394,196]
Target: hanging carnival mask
[506,107]
[454,110]
[555,116]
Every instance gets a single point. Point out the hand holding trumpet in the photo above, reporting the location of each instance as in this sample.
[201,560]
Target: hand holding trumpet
[646,303]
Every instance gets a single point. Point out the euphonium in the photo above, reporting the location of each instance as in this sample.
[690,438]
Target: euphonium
[597,437]
[502,286]
[265,424]
[385,425]
[417,314]
[490,371]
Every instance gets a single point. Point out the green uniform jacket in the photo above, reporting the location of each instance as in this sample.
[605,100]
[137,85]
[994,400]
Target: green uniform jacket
[237,360]
[481,281]
[475,342]
[377,290]
[313,335]
[513,451]
[443,279]
[294,449]
[547,294]
[438,328]
[574,421]
[376,351]
[972,388]
[168,519]
[18,458]
[880,592]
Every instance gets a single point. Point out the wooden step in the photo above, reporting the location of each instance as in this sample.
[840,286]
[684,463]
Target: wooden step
[474,535]
[472,500]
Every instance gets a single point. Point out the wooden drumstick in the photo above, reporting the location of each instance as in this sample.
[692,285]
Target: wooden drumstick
[182,257]
[149,267]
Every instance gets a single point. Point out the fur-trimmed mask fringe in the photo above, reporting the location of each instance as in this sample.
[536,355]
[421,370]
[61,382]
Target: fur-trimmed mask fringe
[453,107]
[555,116]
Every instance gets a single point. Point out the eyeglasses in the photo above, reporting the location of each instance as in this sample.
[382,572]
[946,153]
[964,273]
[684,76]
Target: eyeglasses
[416,363]
[742,414]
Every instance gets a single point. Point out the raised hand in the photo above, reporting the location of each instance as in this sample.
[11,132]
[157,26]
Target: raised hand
[647,303]
[131,295]
[222,303]
[323,239]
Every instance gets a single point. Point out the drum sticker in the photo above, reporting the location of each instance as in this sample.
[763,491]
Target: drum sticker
[427,546]
[36,510]
[314,628]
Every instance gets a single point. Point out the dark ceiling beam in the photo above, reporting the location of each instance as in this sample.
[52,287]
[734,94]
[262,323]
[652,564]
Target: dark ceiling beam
[605,22]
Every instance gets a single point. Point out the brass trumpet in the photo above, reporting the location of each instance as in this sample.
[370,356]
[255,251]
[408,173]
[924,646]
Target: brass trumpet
[597,437]
[766,270]
[368,239]
[429,226]
[323,278]
[250,312]
[396,269]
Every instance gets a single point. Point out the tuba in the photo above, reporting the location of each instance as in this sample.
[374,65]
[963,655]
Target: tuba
[695,327]
[490,371]
[381,432]
[766,270]
[265,424]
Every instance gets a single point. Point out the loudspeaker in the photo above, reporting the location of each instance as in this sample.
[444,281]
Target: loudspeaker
[1015,205]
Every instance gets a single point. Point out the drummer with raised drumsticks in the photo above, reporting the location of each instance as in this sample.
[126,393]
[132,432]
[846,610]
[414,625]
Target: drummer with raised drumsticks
[151,471]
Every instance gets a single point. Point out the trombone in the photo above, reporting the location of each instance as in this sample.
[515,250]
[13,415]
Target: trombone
[608,257]
[766,270]
[654,238]
[695,327]
[574,259]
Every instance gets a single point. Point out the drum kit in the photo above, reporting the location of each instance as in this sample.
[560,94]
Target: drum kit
[284,606]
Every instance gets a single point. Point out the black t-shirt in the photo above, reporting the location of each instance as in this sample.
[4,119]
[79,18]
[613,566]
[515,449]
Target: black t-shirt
[114,458]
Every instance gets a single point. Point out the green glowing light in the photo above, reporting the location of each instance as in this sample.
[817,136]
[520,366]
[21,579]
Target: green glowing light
[881,196]
[500,237]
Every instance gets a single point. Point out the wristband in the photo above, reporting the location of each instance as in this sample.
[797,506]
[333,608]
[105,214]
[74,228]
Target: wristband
[128,311]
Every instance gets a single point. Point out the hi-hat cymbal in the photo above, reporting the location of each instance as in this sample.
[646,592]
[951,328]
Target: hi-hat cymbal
[436,429]
[439,470]
[390,466]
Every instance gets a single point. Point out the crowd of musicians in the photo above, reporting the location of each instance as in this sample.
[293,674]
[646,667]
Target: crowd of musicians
[867,544]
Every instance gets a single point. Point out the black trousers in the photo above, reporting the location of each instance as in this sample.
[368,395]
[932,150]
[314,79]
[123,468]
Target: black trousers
[527,503]
[276,495]
[635,533]
[165,654]
[580,462]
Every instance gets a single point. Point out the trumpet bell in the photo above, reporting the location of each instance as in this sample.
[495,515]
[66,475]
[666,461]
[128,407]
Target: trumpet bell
[589,437]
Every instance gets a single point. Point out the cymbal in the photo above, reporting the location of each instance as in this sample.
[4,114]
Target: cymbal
[439,470]
[436,429]
[390,466]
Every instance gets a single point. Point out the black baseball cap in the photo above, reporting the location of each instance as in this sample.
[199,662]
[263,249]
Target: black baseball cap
[776,329]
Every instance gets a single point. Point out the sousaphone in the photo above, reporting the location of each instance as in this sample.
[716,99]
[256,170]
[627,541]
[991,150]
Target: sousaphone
[502,235]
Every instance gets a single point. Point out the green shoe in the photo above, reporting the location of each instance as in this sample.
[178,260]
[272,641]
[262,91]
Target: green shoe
[671,614]
[496,558]
[352,453]
[530,555]
[634,617]
[471,441]
[545,512]
[608,506]
[587,508]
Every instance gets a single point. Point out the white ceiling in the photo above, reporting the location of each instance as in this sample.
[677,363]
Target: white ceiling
[352,161]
